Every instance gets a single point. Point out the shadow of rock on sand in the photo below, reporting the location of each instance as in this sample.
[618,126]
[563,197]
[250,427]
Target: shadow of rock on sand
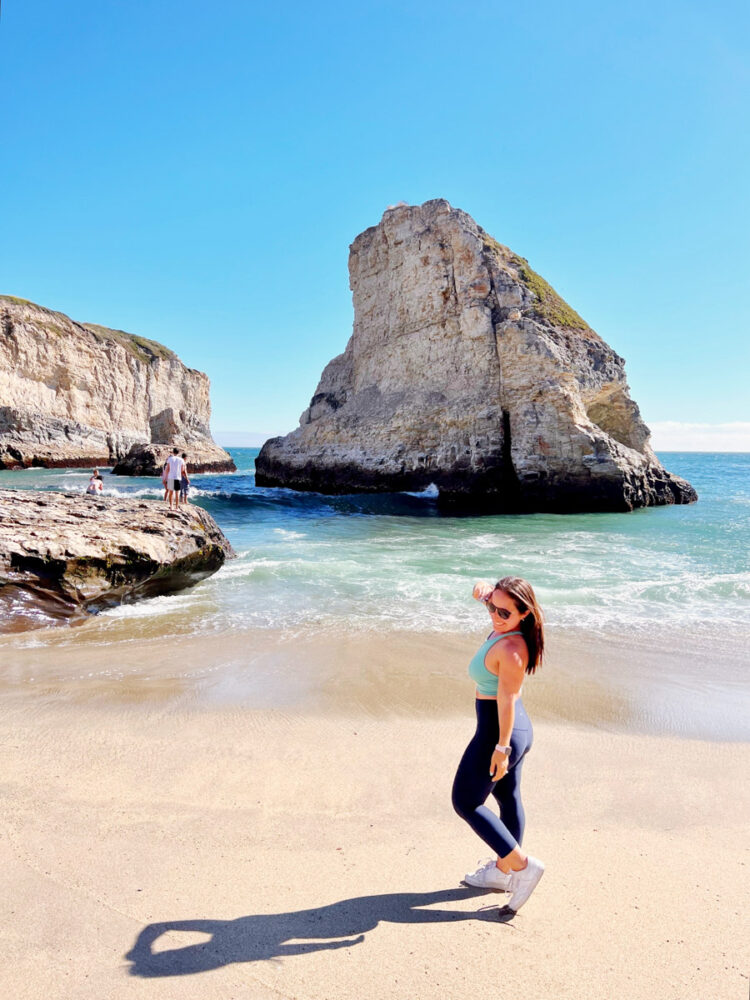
[277,935]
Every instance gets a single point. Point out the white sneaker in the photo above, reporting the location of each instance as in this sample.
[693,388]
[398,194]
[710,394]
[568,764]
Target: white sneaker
[523,883]
[489,876]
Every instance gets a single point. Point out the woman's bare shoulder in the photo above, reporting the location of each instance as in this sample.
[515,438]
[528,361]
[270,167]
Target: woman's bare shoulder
[512,651]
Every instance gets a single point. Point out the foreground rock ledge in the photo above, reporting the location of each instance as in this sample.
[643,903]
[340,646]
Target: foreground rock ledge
[467,370]
[64,555]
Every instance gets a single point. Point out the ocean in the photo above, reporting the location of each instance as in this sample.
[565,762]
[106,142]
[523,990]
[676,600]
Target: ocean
[320,565]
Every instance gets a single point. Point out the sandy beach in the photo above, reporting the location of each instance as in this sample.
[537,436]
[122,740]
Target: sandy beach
[162,843]
[314,318]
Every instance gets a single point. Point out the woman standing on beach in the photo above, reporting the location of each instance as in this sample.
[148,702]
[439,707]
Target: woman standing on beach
[493,759]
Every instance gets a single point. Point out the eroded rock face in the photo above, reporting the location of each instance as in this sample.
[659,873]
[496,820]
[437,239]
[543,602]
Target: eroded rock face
[467,370]
[75,394]
[65,555]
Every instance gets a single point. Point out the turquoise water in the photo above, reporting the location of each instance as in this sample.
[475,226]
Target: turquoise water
[393,562]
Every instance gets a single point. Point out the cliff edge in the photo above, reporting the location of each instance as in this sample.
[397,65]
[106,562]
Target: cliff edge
[466,369]
[75,394]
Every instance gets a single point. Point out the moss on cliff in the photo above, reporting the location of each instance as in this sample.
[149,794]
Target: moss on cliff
[551,306]
[140,347]
[15,300]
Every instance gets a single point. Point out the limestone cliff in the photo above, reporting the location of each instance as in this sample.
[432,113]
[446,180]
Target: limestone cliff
[79,394]
[466,369]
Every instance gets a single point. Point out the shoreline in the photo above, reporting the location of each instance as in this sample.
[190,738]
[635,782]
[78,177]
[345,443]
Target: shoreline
[614,683]
[267,814]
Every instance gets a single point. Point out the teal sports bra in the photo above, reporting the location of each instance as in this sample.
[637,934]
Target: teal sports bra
[484,679]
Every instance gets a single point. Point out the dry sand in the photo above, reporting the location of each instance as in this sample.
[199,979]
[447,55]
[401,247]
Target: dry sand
[160,847]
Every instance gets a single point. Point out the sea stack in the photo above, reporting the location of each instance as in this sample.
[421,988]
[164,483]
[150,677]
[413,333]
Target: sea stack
[466,370]
[78,394]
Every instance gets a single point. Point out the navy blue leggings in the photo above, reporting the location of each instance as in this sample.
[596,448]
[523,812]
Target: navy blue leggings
[473,785]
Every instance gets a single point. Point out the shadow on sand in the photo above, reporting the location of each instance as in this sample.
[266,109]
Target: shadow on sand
[268,936]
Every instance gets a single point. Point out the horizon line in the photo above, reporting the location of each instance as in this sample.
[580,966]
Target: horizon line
[728,438]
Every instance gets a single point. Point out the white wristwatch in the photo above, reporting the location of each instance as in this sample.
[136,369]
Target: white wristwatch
[505,750]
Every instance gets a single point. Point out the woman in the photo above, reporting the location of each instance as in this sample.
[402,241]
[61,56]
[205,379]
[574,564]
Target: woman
[492,761]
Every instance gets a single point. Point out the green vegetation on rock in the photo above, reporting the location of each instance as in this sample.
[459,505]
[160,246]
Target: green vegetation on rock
[139,347]
[551,306]
[15,300]
[491,242]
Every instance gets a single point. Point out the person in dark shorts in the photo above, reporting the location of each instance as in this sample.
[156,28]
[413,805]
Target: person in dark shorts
[184,481]
[173,477]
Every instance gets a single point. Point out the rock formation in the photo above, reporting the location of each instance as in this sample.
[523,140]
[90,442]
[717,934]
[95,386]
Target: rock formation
[149,459]
[466,369]
[63,555]
[75,394]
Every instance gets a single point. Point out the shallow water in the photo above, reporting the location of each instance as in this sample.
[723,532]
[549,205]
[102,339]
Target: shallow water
[322,566]
[393,561]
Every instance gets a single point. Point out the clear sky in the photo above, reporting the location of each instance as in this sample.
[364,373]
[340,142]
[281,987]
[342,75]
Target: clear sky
[194,172]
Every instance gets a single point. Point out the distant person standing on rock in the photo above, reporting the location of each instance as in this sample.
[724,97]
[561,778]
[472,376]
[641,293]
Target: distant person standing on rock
[184,481]
[172,477]
[96,485]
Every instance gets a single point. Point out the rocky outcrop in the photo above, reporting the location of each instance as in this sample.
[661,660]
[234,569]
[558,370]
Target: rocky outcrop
[466,369]
[64,555]
[76,394]
[149,459]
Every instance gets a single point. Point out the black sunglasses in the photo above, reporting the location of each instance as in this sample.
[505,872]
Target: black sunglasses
[500,612]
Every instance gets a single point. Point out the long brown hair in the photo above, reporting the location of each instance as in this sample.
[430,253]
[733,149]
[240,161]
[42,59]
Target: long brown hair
[532,626]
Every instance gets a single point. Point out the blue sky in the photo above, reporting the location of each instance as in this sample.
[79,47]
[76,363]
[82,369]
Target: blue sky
[195,173]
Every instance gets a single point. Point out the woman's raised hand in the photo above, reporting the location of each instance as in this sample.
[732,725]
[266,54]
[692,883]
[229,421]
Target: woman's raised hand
[482,590]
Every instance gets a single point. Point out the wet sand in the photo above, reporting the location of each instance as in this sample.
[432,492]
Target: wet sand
[659,686]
